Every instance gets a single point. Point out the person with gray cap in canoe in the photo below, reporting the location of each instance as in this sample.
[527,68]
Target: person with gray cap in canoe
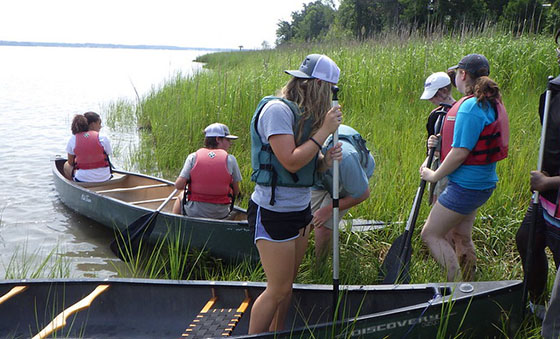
[287,133]
[474,138]
[210,177]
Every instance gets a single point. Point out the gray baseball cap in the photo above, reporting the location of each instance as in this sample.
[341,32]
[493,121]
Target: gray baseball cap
[317,66]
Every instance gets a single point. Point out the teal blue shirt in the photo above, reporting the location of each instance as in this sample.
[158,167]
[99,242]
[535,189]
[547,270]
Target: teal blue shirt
[471,120]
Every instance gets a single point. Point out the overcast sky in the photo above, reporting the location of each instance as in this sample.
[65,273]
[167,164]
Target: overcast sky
[187,23]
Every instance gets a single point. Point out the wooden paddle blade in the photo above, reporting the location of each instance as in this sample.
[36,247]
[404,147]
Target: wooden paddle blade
[122,244]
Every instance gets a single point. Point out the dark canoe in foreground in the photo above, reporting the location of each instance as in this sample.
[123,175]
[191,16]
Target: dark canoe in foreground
[134,308]
[120,201]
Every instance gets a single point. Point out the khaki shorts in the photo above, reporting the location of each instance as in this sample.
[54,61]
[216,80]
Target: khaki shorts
[320,199]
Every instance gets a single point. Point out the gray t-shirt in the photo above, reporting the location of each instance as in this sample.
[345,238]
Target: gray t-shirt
[206,209]
[277,118]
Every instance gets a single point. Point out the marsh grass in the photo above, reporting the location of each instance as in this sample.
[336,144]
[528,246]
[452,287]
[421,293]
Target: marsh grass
[26,265]
[381,82]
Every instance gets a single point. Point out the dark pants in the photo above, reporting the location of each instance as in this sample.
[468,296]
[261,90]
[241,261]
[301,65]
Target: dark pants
[544,236]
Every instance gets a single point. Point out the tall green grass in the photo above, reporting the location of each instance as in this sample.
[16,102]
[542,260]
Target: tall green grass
[381,82]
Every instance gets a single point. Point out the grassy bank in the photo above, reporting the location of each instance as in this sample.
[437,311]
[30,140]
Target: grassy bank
[380,83]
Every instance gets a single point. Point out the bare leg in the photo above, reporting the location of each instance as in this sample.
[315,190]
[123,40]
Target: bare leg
[280,315]
[68,169]
[323,242]
[464,246]
[440,221]
[278,260]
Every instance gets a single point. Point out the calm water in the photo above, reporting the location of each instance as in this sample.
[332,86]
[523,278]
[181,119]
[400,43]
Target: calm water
[40,91]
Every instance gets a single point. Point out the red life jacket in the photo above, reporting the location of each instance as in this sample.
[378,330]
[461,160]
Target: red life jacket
[89,151]
[492,144]
[210,180]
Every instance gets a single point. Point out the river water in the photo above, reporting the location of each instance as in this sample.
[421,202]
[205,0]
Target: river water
[41,88]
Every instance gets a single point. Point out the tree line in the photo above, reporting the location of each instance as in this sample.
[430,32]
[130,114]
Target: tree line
[363,19]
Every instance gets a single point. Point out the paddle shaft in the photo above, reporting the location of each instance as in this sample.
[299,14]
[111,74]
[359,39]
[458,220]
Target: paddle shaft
[396,260]
[535,202]
[136,229]
[335,190]
[413,216]
[154,215]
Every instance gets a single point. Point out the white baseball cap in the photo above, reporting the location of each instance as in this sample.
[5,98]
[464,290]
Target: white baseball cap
[433,83]
[317,66]
[218,130]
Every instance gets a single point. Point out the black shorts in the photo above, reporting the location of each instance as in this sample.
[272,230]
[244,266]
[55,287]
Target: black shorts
[277,225]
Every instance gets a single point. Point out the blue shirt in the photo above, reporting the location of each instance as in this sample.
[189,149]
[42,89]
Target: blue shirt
[471,120]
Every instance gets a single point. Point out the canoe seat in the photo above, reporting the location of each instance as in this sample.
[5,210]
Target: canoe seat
[116,178]
[134,188]
[216,322]
[142,202]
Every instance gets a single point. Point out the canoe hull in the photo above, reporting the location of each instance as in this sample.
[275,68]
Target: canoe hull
[226,239]
[139,308]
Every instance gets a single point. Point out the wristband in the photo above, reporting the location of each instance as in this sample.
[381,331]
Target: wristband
[316,143]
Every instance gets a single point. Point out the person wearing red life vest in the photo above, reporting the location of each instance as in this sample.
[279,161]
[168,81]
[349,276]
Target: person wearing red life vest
[475,136]
[210,177]
[88,151]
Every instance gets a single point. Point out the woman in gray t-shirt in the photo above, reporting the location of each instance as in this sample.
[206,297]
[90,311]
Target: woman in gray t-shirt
[279,208]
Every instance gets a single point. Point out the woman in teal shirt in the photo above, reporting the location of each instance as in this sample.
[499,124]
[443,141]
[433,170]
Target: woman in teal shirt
[470,166]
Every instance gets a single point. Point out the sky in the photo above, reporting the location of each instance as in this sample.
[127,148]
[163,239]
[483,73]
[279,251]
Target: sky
[186,23]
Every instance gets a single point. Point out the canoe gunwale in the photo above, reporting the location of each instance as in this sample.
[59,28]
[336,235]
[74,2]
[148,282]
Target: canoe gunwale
[485,292]
[87,189]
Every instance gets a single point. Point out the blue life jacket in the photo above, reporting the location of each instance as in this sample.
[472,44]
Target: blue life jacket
[267,170]
[351,136]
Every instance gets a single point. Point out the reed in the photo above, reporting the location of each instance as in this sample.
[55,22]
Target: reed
[26,265]
[380,85]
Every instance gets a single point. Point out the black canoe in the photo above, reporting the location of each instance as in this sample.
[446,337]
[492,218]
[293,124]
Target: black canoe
[136,308]
[127,196]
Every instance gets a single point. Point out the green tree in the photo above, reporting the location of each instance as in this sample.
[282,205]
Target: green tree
[524,15]
[311,23]
[362,17]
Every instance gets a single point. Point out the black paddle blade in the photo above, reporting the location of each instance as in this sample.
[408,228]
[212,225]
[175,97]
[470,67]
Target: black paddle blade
[390,267]
[126,243]
[394,269]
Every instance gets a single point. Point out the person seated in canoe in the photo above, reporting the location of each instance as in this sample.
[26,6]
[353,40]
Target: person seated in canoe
[356,168]
[210,177]
[437,90]
[88,151]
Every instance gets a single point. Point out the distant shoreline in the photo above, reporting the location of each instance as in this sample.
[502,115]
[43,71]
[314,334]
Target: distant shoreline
[96,45]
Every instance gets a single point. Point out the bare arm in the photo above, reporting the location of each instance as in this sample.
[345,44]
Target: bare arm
[542,182]
[325,213]
[235,186]
[71,159]
[180,183]
[294,158]
[452,161]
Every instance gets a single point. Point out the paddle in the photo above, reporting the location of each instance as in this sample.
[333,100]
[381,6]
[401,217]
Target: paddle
[140,229]
[394,269]
[335,212]
[535,202]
